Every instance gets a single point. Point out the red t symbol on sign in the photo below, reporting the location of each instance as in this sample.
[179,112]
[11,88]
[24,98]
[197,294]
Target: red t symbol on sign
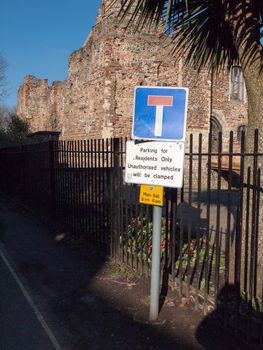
[159,102]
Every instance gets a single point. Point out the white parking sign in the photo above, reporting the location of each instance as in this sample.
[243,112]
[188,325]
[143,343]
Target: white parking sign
[155,163]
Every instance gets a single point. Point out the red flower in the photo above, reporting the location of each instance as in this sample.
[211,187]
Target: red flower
[191,252]
[164,244]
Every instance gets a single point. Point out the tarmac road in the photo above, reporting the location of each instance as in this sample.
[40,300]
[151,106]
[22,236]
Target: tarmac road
[22,327]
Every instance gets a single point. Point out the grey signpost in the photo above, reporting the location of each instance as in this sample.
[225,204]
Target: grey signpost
[156,259]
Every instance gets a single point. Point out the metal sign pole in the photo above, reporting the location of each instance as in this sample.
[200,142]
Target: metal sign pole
[155,271]
[156,259]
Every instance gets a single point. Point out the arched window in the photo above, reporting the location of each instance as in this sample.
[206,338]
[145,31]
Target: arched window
[215,129]
[236,84]
[240,129]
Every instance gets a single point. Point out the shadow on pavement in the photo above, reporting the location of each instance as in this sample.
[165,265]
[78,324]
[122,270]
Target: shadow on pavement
[83,307]
[227,319]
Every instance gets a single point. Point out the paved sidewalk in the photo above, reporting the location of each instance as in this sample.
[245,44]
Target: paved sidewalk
[82,299]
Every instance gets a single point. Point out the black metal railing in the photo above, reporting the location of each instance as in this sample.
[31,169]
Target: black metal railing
[212,234]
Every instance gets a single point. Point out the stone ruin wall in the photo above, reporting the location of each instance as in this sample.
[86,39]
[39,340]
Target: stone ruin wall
[96,101]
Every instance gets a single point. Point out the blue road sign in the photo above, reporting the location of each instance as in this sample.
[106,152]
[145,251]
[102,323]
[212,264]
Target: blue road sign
[160,113]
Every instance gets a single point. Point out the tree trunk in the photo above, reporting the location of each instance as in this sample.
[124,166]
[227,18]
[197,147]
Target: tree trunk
[246,37]
[252,240]
[254,86]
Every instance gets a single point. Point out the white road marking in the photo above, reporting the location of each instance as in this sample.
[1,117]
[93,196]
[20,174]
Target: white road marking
[38,314]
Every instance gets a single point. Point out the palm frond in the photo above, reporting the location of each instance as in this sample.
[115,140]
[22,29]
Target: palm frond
[203,29]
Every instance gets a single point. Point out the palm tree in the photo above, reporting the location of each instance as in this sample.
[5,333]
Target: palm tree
[214,34]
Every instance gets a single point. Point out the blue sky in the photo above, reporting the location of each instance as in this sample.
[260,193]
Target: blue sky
[37,36]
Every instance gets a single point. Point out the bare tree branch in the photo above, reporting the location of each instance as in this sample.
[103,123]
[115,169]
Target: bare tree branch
[3,79]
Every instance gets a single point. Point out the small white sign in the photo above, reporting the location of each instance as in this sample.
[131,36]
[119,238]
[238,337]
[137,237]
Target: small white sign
[155,163]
